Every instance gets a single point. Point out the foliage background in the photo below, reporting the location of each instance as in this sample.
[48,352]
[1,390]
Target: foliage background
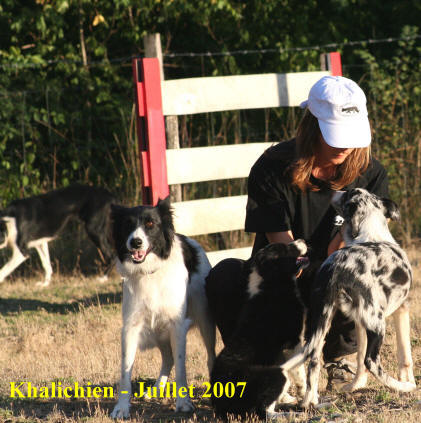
[66,110]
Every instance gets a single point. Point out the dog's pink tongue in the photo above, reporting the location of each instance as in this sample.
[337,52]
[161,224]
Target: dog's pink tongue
[139,254]
[302,260]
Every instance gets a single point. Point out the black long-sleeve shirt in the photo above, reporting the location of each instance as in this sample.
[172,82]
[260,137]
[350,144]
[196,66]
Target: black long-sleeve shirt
[274,205]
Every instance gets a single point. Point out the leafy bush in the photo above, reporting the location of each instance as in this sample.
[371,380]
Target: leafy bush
[66,83]
[395,110]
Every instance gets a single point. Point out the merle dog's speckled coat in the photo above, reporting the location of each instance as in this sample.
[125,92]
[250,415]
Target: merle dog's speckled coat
[367,280]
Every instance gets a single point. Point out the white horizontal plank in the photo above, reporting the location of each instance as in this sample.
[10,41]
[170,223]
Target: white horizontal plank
[216,256]
[213,94]
[199,217]
[197,164]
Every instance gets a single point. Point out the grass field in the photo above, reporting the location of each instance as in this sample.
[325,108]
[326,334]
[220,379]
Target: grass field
[70,333]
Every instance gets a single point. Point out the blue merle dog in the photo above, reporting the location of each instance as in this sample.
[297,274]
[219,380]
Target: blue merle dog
[368,280]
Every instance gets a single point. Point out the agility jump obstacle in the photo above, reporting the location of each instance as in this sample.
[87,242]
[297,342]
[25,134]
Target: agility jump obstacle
[162,167]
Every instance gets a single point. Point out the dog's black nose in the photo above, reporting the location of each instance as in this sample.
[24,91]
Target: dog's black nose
[136,243]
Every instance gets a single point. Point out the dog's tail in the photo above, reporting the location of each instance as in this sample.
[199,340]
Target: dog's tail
[319,318]
[315,342]
[372,362]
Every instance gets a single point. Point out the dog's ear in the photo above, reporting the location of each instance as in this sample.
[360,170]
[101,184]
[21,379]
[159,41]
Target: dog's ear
[164,208]
[164,205]
[165,211]
[392,209]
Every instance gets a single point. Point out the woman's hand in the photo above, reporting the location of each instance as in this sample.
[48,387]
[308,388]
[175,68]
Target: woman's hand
[336,243]
[287,237]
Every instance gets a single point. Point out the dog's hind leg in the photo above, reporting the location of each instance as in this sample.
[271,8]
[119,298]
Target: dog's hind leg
[311,396]
[97,234]
[375,337]
[44,255]
[16,260]
[284,396]
[207,328]
[105,251]
[297,375]
[360,379]
[199,310]
[402,326]
[318,328]
[178,335]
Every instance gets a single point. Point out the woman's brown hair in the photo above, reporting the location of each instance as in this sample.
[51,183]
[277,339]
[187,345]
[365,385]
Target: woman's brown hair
[307,139]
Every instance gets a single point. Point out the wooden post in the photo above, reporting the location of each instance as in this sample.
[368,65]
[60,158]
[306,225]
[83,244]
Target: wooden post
[331,62]
[152,44]
[150,129]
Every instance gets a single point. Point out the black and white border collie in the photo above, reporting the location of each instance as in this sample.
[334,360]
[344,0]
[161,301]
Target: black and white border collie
[163,294]
[368,280]
[270,322]
[34,221]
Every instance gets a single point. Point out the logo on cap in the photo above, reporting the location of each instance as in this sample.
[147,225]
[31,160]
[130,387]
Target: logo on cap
[350,110]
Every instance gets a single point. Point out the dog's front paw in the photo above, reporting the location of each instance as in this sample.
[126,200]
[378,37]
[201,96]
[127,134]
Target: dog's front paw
[357,383]
[309,400]
[287,399]
[121,411]
[184,405]
[408,386]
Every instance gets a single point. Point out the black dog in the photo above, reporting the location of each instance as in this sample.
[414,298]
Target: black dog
[271,320]
[33,222]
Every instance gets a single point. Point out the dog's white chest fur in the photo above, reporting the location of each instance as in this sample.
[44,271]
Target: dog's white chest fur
[156,299]
[156,266]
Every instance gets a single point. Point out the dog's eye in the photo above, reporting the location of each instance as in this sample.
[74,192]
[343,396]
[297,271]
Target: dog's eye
[149,224]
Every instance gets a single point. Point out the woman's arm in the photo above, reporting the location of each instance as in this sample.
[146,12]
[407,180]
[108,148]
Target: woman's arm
[287,237]
[283,237]
[336,243]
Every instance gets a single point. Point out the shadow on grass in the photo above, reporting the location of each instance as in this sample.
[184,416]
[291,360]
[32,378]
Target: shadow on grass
[161,409]
[42,409]
[12,306]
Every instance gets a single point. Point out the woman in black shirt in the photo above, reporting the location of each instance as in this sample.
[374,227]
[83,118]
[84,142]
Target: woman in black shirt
[291,184]
[275,206]
[289,192]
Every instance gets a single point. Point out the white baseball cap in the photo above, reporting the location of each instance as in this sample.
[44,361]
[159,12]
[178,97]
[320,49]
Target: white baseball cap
[339,105]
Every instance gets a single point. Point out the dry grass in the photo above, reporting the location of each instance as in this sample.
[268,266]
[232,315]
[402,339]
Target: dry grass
[70,333]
